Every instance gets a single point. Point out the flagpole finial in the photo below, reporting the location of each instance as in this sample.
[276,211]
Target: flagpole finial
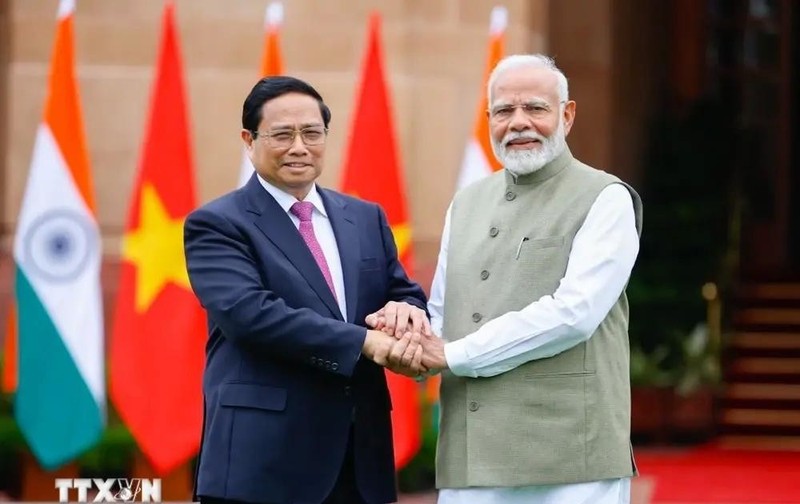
[66,8]
[498,20]
[274,15]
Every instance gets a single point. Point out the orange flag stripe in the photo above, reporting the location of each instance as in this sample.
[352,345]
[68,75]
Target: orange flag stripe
[10,352]
[272,60]
[496,50]
[63,111]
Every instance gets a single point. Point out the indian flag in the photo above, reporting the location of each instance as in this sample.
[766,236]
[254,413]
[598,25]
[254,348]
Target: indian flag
[60,400]
[479,161]
[271,64]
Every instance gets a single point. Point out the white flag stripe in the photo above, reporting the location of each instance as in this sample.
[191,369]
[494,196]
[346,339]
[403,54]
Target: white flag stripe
[498,21]
[246,169]
[273,16]
[475,165]
[73,305]
[66,8]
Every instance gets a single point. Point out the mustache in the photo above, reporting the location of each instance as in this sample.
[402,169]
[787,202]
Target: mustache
[528,135]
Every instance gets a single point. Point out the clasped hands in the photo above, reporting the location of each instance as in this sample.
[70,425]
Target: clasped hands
[401,340]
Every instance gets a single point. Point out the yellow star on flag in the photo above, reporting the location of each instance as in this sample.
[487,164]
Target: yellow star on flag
[156,249]
[402,237]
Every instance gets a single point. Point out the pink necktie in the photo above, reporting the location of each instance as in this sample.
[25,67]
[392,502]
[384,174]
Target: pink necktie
[303,210]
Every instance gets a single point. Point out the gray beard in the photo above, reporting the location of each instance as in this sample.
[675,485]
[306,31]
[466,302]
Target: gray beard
[524,162]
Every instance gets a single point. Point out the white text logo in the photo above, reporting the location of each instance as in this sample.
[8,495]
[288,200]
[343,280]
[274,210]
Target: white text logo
[109,490]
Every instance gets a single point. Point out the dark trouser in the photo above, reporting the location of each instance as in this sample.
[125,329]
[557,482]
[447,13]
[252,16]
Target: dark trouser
[345,491]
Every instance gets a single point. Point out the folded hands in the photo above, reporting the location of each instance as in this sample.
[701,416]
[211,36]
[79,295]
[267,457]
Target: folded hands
[401,340]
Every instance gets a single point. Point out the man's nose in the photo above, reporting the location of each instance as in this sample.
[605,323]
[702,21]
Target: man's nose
[520,121]
[298,147]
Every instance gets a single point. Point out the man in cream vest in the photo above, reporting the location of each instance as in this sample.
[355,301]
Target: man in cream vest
[529,300]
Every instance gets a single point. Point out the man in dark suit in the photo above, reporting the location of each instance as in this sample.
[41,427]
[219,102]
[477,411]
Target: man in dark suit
[296,404]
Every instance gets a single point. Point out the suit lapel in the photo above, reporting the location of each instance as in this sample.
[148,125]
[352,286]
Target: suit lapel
[344,227]
[276,225]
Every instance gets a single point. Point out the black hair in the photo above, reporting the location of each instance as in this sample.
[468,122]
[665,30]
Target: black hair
[270,88]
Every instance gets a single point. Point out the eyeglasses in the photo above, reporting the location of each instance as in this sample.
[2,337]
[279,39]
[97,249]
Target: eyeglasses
[283,139]
[535,110]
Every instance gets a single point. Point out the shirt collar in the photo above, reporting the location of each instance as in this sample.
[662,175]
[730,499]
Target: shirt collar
[286,200]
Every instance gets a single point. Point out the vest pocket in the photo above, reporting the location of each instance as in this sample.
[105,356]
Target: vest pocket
[540,243]
[538,375]
[540,253]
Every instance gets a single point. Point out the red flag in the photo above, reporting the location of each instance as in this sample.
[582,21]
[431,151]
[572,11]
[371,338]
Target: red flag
[372,171]
[10,353]
[159,327]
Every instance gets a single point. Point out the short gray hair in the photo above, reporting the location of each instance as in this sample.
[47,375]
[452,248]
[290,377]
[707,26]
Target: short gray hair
[528,60]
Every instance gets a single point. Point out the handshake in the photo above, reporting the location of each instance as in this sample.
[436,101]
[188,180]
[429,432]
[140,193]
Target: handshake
[401,340]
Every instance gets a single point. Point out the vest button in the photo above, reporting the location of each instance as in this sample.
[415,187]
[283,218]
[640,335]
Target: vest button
[476,317]
[493,232]
[473,406]
[510,196]
[484,275]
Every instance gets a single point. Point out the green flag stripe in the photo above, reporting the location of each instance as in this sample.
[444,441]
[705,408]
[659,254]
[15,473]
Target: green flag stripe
[54,408]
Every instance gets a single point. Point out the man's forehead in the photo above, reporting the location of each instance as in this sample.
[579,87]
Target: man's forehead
[526,82]
[291,103]
[293,111]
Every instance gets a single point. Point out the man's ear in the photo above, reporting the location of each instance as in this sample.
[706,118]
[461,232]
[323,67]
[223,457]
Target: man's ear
[247,138]
[569,116]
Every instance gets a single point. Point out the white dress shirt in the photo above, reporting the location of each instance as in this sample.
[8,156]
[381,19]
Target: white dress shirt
[600,262]
[323,231]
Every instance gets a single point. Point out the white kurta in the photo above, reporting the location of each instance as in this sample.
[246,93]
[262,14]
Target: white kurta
[600,262]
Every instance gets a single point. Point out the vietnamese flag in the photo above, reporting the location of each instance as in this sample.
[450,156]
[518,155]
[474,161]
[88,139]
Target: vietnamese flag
[372,172]
[159,327]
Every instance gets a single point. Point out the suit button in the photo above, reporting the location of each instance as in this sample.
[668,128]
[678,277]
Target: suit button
[327,364]
[493,231]
[335,366]
[473,406]
[510,196]
[313,360]
[476,317]
[484,275]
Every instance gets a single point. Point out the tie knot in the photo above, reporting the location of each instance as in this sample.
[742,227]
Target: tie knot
[302,209]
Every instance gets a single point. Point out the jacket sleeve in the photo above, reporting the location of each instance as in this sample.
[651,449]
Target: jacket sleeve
[400,288]
[225,278]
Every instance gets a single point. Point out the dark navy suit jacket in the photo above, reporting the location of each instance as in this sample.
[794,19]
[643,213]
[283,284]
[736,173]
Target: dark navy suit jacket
[284,381]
